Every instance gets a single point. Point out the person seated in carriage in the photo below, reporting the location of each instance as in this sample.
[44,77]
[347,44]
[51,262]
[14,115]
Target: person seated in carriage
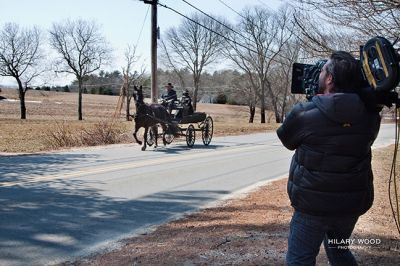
[169,97]
[186,103]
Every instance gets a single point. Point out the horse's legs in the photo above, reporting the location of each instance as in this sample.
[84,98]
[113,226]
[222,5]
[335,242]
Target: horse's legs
[134,134]
[164,128]
[155,131]
[145,138]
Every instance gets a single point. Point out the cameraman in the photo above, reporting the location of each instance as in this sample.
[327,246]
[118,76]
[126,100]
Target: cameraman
[330,178]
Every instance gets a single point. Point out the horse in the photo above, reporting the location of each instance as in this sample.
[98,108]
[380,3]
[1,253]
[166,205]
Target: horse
[149,115]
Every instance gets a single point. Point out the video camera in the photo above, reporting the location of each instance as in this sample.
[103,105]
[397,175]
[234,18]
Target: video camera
[379,69]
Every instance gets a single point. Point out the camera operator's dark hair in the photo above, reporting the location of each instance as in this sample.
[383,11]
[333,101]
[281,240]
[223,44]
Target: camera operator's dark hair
[345,71]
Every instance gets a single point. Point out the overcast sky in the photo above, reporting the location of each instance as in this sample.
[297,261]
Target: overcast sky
[120,20]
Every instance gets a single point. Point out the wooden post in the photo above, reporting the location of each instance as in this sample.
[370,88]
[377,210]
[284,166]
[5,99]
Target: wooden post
[154,89]
[154,35]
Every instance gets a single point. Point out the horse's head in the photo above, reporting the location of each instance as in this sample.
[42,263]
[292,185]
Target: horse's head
[138,96]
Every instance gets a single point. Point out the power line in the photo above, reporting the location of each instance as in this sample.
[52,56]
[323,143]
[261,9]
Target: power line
[238,13]
[263,3]
[141,30]
[205,27]
[245,37]
[219,22]
[252,23]
[226,38]
[222,2]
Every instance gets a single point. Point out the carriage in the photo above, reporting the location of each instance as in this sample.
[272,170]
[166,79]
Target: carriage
[182,123]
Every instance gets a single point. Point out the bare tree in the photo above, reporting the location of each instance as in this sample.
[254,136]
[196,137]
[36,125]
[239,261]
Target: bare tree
[263,35]
[193,46]
[280,77]
[319,38]
[167,60]
[81,48]
[130,77]
[20,57]
[368,17]
[245,90]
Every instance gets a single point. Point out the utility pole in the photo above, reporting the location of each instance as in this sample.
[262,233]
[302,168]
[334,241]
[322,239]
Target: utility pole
[154,35]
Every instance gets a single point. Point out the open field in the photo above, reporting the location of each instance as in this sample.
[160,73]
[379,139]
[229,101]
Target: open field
[49,111]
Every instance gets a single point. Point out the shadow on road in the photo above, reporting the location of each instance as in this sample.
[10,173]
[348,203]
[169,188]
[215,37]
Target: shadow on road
[23,168]
[181,148]
[46,221]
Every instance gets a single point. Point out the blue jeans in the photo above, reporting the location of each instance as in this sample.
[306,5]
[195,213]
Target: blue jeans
[307,232]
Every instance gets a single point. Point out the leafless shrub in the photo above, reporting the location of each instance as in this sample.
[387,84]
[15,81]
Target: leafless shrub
[64,135]
[103,132]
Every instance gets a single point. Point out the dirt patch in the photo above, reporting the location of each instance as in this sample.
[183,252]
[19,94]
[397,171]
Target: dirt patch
[253,230]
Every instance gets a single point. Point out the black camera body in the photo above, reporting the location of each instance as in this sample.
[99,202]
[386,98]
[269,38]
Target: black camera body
[379,70]
[305,78]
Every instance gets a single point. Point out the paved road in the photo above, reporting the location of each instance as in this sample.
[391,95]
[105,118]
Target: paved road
[57,206]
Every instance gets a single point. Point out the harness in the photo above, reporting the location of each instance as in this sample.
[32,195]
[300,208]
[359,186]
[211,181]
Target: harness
[152,115]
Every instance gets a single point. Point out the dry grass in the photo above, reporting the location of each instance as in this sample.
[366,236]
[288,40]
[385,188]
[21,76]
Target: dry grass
[55,114]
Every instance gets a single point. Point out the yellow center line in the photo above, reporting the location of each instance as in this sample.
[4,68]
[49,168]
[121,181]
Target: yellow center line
[115,167]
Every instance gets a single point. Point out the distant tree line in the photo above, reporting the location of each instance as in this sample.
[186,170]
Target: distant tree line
[219,86]
[53,88]
[105,83]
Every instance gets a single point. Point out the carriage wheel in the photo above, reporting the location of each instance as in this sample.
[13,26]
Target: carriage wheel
[169,134]
[207,130]
[190,136]
[168,137]
[151,136]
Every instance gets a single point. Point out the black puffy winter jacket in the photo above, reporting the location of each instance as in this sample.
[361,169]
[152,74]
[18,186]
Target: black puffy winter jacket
[330,172]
